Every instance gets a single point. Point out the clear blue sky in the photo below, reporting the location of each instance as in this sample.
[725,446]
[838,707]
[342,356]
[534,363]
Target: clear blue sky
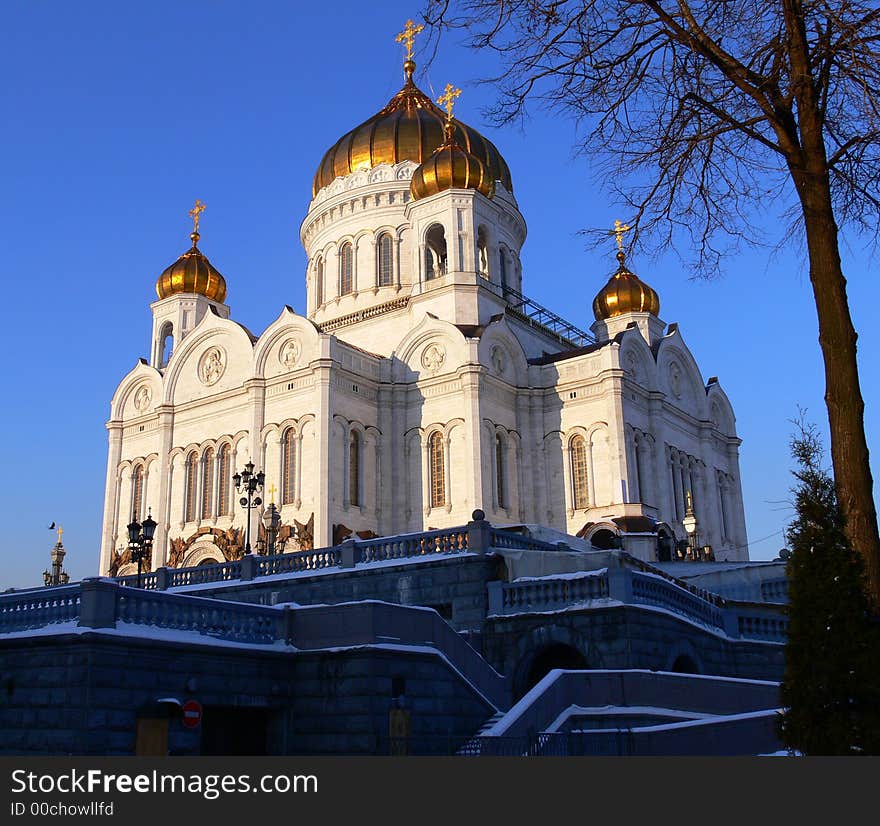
[117,116]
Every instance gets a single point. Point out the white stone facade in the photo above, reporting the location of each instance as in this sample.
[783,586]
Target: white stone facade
[340,408]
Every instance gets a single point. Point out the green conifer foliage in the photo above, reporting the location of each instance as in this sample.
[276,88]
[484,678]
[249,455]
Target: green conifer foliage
[831,689]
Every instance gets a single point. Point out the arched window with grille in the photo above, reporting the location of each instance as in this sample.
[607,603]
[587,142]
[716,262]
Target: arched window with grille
[354,468]
[502,268]
[137,493]
[223,480]
[482,252]
[385,251]
[207,482]
[346,269]
[437,470]
[319,282]
[288,466]
[579,472]
[190,482]
[500,471]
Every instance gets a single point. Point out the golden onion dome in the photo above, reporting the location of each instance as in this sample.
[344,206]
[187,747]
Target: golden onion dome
[192,273]
[451,167]
[409,128]
[625,292]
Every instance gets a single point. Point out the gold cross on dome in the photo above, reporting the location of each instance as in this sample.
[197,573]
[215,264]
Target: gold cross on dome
[447,99]
[619,230]
[60,531]
[408,36]
[196,213]
[272,494]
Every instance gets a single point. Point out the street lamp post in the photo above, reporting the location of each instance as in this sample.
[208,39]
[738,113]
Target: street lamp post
[249,483]
[690,525]
[140,540]
[271,521]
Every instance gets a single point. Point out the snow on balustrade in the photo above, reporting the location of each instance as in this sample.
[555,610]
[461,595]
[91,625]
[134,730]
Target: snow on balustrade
[653,590]
[35,609]
[241,622]
[763,627]
[504,539]
[552,593]
[403,547]
[297,561]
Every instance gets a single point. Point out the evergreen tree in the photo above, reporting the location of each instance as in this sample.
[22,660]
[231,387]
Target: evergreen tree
[831,689]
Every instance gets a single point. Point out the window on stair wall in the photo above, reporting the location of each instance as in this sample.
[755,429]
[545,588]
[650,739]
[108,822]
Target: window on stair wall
[385,253]
[346,269]
[435,252]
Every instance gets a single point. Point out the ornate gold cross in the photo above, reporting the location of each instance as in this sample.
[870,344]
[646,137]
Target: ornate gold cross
[272,494]
[619,230]
[408,36]
[195,213]
[60,531]
[447,99]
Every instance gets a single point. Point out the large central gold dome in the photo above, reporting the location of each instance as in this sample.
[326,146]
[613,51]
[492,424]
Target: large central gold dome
[409,128]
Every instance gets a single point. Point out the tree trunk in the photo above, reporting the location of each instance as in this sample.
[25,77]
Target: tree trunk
[843,397]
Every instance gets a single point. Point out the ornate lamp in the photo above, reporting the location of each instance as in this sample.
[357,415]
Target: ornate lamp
[140,540]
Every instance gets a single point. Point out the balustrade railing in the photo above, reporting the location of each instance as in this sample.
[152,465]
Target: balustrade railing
[36,609]
[648,589]
[236,621]
[547,593]
[450,541]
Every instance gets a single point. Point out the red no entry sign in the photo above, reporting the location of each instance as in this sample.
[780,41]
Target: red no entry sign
[192,713]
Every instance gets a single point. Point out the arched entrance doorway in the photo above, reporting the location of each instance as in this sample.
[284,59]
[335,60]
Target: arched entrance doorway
[556,655]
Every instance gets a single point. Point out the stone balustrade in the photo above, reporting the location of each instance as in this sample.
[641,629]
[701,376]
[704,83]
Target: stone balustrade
[38,608]
[546,593]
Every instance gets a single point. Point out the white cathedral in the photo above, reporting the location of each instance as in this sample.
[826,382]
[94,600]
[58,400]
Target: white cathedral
[421,383]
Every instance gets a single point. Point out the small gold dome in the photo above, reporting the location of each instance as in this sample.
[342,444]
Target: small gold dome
[192,273]
[409,128]
[625,292]
[451,167]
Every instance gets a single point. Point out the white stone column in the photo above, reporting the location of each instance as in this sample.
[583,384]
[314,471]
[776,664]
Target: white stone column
[323,429]
[111,495]
[163,506]
[470,382]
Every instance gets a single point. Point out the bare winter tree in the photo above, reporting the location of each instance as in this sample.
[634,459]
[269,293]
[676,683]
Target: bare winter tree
[728,109]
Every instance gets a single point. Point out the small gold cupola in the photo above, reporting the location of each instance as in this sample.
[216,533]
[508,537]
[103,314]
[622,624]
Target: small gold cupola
[625,292]
[451,166]
[192,272]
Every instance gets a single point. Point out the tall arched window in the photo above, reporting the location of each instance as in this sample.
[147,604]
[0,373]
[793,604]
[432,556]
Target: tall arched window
[346,269]
[500,471]
[137,493]
[386,258]
[502,269]
[437,470]
[190,477]
[319,282]
[207,482]
[579,472]
[435,252]
[223,481]
[354,468]
[482,253]
[166,343]
[288,466]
